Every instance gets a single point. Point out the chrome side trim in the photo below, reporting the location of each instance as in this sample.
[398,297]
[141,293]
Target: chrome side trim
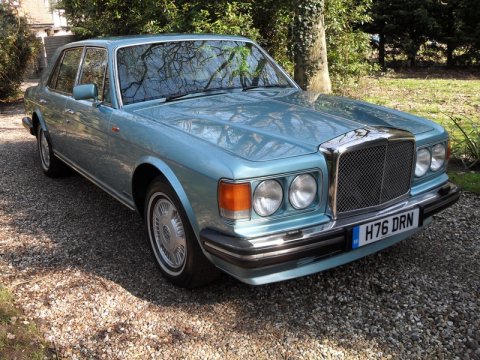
[117,196]
[356,140]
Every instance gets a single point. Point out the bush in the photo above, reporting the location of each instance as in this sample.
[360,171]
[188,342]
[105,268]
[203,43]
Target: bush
[19,47]
[466,146]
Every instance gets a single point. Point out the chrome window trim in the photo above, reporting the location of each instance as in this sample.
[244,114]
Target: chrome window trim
[60,59]
[115,64]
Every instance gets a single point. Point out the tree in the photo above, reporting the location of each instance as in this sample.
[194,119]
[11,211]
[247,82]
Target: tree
[403,24]
[448,14]
[348,45]
[18,46]
[296,33]
[310,47]
[470,27]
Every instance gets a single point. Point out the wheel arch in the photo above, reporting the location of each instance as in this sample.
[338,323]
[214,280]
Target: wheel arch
[38,120]
[145,172]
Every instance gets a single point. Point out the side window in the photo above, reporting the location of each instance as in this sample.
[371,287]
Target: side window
[68,71]
[93,69]
[53,77]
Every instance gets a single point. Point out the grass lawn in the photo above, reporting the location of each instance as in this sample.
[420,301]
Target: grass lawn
[467,180]
[19,339]
[437,96]
[433,95]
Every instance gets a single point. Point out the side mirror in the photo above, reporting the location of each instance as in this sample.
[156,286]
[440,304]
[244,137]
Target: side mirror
[86,92]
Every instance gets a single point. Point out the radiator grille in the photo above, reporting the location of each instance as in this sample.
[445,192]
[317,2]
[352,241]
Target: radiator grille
[374,175]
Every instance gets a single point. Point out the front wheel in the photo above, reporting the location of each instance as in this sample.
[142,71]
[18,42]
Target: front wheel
[173,241]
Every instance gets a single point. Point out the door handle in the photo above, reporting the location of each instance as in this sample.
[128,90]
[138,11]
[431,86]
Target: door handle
[42,101]
[69,111]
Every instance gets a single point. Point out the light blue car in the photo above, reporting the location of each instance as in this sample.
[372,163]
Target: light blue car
[231,164]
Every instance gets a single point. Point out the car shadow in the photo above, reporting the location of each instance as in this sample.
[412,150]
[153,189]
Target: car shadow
[88,230]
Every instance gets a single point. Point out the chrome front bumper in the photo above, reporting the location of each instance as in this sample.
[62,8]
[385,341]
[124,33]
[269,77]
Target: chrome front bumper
[247,258]
[28,124]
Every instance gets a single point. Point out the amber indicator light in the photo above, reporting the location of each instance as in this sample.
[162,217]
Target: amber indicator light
[234,200]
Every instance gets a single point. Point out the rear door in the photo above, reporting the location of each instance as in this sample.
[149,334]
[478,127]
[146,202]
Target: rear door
[88,126]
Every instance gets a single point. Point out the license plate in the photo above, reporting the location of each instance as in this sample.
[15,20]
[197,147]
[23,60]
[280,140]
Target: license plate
[379,229]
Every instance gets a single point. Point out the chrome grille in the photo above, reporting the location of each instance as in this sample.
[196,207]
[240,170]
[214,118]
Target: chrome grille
[374,175]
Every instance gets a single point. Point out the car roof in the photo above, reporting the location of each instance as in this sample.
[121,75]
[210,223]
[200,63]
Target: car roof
[118,41]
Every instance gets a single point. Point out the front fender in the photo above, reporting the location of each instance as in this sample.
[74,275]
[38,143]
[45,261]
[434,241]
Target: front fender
[176,185]
[40,121]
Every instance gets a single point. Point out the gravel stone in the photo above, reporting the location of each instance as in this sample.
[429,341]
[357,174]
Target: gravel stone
[79,267]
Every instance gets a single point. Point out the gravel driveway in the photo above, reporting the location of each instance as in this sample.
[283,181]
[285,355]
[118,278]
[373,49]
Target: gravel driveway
[78,266]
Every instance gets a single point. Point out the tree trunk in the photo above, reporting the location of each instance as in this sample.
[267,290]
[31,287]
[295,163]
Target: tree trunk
[450,49]
[311,65]
[412,59]
[381,50]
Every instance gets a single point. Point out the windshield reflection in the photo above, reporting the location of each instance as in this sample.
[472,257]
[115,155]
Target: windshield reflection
[174,69]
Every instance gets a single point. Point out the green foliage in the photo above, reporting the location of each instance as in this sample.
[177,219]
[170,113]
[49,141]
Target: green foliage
[274,19]
[18,340]
[269,22]
[407,27]
[348,46]
[469,146]
[467,181]
[18,46]
[116,17]
[232,18]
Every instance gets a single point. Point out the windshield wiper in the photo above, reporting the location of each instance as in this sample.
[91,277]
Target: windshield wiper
[199,93]
[250,87]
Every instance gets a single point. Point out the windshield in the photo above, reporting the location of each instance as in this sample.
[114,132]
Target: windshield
[163,70]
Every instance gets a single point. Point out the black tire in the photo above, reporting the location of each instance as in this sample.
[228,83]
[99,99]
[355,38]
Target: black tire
[51,165]
[172,240]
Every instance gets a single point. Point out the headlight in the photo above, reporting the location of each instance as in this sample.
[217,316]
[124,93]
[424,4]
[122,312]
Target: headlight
[302,191]
[438,157]
[423,162]
[267,197]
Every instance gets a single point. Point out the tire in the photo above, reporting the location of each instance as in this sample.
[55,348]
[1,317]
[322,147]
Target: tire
[172,240]
[50,164]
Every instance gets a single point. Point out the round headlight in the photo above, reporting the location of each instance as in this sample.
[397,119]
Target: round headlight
[267,197]
[423,162]
[302,191]
[438,157]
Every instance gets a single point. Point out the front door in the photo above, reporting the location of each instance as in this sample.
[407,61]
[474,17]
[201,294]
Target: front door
[88,122]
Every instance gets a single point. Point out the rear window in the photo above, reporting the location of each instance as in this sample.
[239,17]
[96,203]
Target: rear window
[65,73]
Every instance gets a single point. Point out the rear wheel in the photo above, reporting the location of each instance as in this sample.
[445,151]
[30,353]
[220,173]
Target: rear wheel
[172,239]
[51,165]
